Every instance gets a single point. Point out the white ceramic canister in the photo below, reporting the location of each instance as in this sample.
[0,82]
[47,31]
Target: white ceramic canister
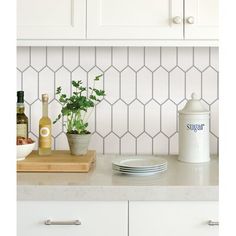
[194,144]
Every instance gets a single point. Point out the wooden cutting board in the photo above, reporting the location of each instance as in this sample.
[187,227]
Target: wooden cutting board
[59,161]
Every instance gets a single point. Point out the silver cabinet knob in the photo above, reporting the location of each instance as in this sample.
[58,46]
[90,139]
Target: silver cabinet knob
[177,20]
[190,20]
[213,223]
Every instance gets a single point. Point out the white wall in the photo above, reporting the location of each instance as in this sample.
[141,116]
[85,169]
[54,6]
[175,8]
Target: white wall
[145,87]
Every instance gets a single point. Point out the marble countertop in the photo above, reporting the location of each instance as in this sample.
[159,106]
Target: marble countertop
[181,182]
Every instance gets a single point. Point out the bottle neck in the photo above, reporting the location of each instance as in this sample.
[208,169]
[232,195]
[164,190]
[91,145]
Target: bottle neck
[20,108]
[45,109]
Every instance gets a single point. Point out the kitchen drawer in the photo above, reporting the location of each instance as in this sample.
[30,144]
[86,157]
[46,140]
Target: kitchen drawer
[97,218]
[172,218]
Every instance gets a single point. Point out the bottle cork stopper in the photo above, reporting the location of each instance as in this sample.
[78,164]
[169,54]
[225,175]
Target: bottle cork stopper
[45,97]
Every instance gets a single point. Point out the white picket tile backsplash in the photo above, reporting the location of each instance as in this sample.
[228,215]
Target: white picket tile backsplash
[145,88]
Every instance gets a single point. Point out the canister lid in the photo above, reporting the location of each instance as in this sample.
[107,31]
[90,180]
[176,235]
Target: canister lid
[194,106]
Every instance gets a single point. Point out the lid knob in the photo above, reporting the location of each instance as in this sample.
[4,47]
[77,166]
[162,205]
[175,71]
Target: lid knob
[194,96]
[194,106]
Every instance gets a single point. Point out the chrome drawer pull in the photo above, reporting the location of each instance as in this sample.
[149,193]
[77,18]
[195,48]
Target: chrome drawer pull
[213,223]
[72,222]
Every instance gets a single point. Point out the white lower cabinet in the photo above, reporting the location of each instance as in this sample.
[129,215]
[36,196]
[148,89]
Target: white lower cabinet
[117,218]
[96,218]
[165,218]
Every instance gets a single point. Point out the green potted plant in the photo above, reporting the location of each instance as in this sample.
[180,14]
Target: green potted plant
[77,109]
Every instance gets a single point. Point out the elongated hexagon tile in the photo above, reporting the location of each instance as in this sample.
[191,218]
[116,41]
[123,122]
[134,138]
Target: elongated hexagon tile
[128,85]
[61,142]
[185,57]
[177,85]
[120,57]
[103,118]
[54,109]
[144,85]
[19,80]
[214,144]
[160,144]
[214,56]
[209,85]
[38,57]
[174,144]
[63,80]
[180,107]
[152,118]
[128,145]
[54,57]
[205,105]
[215,118]
[168,118]
[96,143]
[79,74]
[120,118]
[112,84]
[91,76]
[30,84]
[103,57]
[111,144]
[152,57]
[136,59]
[193,82]
[144,144]
[136,118]
[71,57]
[201,57]
[46,83]
[90,118]
[160,85]
[87,57]
[23,58]
[168,57]
[183,103]
[36,114]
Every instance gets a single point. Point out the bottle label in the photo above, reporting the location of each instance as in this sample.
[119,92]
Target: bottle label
[45,136]
[195,127]
[21,130]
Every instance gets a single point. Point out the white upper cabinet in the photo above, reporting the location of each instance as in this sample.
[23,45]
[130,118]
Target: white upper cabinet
[201,19]
[117,22]
[51,19]
[135,19]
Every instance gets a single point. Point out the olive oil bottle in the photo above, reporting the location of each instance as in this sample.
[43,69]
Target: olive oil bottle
[21,118]
[45,127]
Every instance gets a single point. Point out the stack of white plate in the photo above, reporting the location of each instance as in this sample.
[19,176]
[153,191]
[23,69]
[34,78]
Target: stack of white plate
[139,165]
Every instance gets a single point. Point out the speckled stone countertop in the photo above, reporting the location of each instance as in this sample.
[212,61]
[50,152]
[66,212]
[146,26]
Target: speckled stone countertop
[181,182]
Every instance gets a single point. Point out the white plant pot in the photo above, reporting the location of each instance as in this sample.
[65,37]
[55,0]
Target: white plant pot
[78,143]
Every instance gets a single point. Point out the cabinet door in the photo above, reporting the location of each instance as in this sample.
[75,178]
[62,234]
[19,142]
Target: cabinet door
[51,19]
[172,218]
[201,19]
[135,19]
[97,218]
